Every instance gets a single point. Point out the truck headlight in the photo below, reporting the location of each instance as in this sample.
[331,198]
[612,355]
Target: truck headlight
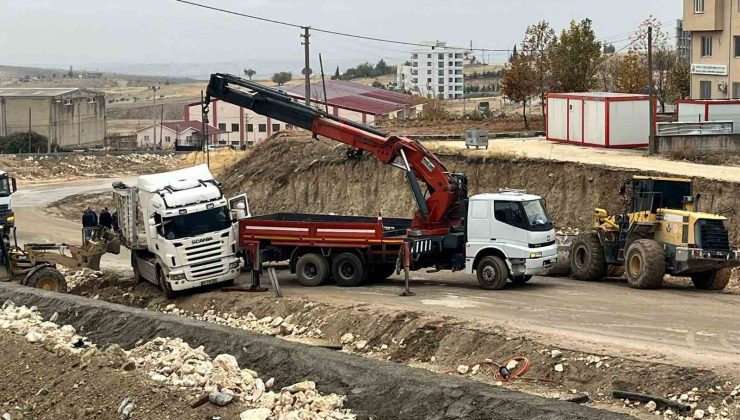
[176,277]
[234,265]
[11,219]
[535,255]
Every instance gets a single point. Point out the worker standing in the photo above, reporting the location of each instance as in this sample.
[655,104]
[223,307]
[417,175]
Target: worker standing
[106,220]
[89,222]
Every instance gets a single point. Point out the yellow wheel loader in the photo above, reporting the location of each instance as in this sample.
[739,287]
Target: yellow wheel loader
[659,232]
[34,265]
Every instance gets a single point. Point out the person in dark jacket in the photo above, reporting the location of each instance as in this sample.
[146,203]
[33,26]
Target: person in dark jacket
[89,222]
[106,220]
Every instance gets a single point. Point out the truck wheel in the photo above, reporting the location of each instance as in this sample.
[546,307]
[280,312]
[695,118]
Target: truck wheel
[47,278]
[711,280]
[168,293]
[380,273]
[135,268]
[312,270]
[521,279]
[347,270]
[587,261]
[492,273]
[645,264]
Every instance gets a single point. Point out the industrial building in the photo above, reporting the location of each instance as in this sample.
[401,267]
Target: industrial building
[435,71]
[715,48]
[353,101]
[175,135]
[68,117]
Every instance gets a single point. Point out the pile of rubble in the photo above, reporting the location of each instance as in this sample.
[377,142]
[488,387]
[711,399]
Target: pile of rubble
[79,277]
[174,363]
[274,326]
[75,165]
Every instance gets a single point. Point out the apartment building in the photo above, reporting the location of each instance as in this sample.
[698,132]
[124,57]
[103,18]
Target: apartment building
[683,42]
[715,47]
[435,71]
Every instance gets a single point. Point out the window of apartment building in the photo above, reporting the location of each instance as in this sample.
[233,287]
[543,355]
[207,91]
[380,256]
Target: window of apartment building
[737,44]
[146,138]
[429,56]
[441,81]
[451,80]
[706,46]
[235,128]
[458,63]
[414,56]
[735,90]
[458,55]
[441,64]
[414,80]
[450,64]
[449,55]
[705,89]
[429,72]
[698,6]
[441,56]
[440,72]
[429,80]
[441,89]
[262,128]
[414,64]
[250,128]
[429,64]
[167,139]
[458,80]
[222,126]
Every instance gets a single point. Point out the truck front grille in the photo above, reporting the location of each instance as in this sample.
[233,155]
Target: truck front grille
[714,235]
[205,260]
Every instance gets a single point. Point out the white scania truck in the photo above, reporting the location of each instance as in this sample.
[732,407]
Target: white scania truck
[180,229]
[7,188]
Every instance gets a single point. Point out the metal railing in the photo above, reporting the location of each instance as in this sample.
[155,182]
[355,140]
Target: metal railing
[695,128]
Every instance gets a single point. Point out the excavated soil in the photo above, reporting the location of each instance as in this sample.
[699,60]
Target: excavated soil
[440,343]
[495,124]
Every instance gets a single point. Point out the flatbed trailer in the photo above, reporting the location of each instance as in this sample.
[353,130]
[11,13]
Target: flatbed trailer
[349,249]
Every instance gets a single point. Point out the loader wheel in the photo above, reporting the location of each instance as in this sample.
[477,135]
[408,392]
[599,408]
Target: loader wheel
[645,264]
[587,261]
[711,280]
[348,270]
[492,273]
[47,278]
[312,270]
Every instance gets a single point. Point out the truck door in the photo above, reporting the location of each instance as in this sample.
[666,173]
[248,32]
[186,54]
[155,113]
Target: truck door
[509,224]
[239,206]
[479,222]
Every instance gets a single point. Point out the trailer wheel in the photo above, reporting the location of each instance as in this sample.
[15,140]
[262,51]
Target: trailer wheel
[380,272]
[644,264]
[711,280]
[168,293]
[47,278]
[492,273]
[348,270]
[587,260]
[312,270]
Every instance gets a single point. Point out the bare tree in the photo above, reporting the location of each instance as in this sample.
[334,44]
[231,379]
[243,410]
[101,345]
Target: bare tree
[537,42]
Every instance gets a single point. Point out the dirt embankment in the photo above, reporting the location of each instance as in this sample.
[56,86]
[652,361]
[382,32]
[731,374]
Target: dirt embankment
[299,174]
[458,127]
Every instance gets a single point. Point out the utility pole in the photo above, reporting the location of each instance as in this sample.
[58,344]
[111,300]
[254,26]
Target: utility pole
[154,108]
[323,82]
[161,119]
[652,146]
[307,64]
[29,130]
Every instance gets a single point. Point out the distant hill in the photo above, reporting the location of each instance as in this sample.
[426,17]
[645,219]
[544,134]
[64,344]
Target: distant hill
[49,77]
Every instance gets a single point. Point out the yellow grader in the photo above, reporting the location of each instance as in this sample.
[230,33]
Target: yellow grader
[34,265]
[661,231]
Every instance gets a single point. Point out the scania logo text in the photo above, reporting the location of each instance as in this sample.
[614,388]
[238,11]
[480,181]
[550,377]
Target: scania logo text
[201,240]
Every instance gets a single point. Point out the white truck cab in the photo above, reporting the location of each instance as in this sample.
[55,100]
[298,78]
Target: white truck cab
[510,236]
[7,188]
[180,229]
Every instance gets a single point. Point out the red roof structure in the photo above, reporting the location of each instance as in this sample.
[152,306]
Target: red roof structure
[353,96]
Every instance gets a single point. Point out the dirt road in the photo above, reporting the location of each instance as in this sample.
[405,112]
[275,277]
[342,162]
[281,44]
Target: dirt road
[675,324]
[539,148]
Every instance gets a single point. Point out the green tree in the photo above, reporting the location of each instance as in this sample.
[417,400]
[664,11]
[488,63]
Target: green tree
[249,73]
[519,82]
[608,72]
[664,57]
[679,82]
[381,68]
[514,55]
[537,43]
[609,49]
[575,58]
[632,76]
[336,74]
[282,77]
[377,84]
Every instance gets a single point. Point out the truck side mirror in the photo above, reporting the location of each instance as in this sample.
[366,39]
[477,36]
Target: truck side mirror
[152,228]
[13,185]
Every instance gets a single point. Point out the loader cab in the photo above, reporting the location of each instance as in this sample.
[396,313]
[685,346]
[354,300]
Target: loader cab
[648,194]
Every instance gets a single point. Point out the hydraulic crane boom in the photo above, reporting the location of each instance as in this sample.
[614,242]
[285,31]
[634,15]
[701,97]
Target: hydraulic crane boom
[439,213]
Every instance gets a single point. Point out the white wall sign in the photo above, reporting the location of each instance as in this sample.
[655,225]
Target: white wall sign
[711,69]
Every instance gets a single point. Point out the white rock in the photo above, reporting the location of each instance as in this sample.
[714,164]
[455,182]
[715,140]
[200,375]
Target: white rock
[269,383]
[683,397]
[699,414]
[300,386]
[255,414]
[347,338]
[475,370]
[360,344]
[34,337]
[651,406]
[463,369]
[711,409]
[559,367]
[512,365]
[555,354]
[276,321]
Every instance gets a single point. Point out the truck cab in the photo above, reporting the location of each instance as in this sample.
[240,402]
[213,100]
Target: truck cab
[7,188]
[510,236]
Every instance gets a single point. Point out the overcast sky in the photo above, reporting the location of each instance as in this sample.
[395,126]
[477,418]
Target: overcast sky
[89,32]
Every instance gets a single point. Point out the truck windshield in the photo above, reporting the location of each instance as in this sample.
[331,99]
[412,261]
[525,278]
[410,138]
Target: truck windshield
[194,224]
[537,215]
[4,187]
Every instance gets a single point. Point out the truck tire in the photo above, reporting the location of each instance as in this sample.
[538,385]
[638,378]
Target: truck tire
[587,261]
[135,268]
[492,273]
[168,293]
[378,273]
[47,278]
[644,264]
[312,270]
[712,280]
[347,270]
